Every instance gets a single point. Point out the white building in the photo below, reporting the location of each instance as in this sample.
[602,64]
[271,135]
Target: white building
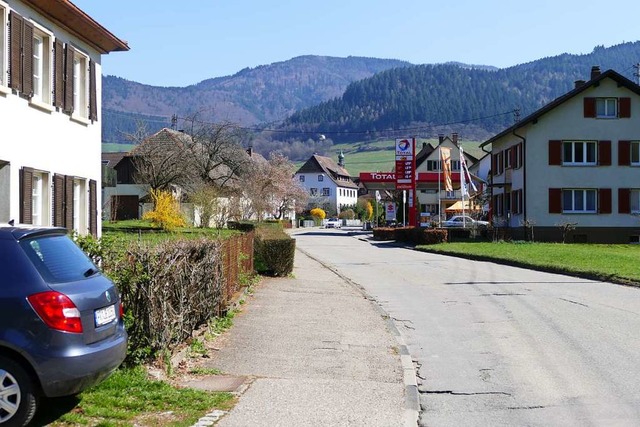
[574,161]
[329,184]
[50,104]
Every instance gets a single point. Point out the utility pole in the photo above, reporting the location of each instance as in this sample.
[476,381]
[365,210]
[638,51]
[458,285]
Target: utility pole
[637,73]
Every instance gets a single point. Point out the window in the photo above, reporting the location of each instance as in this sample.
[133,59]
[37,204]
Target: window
[635,201]
[320,178]
[42,76]
[301,178]
[579,201]
[607,108]
[325,191]
[635,153]
[455,165]
[36,200]
[313,191]
[579,153]
[80,85]
[433,165]
[507,158]
[3,45]
[516,202]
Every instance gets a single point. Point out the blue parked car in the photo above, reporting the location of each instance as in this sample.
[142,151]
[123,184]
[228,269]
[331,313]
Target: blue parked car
[61,321]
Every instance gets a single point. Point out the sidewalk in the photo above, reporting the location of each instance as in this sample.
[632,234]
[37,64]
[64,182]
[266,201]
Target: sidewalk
[311,350]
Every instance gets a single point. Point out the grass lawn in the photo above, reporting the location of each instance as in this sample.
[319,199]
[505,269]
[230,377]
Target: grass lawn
[129,398]
[617,263]
[144,231]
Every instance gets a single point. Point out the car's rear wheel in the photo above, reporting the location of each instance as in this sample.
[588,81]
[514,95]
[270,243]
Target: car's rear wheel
[17,397]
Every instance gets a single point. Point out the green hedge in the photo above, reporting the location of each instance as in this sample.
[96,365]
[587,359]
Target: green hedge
[274,251]
[415,235]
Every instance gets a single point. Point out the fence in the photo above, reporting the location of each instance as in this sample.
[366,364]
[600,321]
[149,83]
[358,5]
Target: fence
[237,264]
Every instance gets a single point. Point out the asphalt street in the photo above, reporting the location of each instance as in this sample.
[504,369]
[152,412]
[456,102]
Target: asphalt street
[497,345]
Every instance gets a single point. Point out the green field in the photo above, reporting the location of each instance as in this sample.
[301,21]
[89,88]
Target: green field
[116,148]
[379,156]
[617,263]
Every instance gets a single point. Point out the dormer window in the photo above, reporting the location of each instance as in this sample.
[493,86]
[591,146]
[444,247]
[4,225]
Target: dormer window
[320,178]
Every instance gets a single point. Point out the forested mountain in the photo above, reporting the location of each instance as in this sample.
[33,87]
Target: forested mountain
[473,101]
[358,99]
[262,94]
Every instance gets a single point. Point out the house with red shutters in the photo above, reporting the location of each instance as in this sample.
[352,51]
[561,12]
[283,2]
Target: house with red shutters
[50,104]
[573,162]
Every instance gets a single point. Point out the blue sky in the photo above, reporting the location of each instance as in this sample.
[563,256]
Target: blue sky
[185,42]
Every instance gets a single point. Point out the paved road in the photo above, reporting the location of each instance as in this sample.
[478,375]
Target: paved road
[497,345]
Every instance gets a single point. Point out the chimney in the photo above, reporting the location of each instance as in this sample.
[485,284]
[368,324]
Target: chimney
[578,83]
[595,71]
[454,138]
[424,145]
[341,159]
[440,138]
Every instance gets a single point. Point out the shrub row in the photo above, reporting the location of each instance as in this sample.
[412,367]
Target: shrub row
[169,289]
[415,235]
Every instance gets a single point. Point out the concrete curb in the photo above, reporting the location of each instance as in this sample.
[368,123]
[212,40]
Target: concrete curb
[412,396]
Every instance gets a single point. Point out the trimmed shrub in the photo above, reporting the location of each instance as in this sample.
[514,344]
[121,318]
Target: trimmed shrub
[243,226]
[384,233]
[431,236]
[166,213]
[274,251]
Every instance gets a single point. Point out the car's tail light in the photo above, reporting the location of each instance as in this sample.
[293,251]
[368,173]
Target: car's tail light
[121,309]
[57,311]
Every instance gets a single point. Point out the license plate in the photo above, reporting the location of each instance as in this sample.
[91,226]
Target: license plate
[105,315]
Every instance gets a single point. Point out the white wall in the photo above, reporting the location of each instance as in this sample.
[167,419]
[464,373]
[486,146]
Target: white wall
[48,140]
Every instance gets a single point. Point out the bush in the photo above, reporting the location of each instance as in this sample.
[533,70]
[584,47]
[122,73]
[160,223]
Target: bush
[166,213]
[274,252]
[415,235]
[318,214]
[244,226]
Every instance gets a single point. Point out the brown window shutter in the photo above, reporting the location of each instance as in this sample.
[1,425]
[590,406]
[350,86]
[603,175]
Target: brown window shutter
[15,47]
[93,100]
[521,201]
[58,200]
[68,79]
[512,153]
[604,201]
[555,200]
[58,74]
[555,152]
[26,195]
[624,153]
[68,202]
[494,165]
[519,151]
[93,209]
[514,202]
[624,108]
[604,153]
[589,107]
[624,200]
[27,59]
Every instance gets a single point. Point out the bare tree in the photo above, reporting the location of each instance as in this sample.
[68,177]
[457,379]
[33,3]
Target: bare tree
[163,159]
[217,152]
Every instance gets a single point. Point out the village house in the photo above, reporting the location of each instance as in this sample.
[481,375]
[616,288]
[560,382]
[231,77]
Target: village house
[50,104]
[435,202]
[572,164]
[329,184]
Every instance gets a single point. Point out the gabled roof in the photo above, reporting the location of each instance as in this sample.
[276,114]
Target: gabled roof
[81,25]
[112,159]
[324,164]
[165,136]
[609,74]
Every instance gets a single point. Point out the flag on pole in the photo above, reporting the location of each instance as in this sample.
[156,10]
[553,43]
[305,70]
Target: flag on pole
[465,175]
[445,158]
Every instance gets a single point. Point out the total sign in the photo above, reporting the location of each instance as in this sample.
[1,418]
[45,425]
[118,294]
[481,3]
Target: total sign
[405,163]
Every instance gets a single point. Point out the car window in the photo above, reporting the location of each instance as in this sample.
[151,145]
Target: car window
[58,259]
